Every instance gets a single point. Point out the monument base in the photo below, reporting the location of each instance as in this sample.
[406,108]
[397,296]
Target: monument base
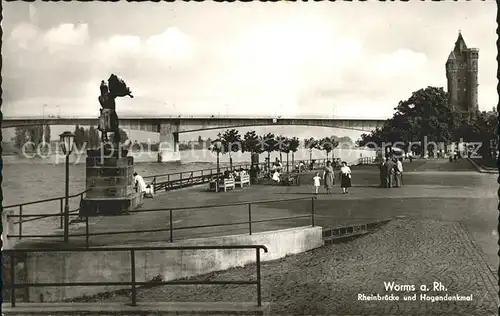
[169,156]
[110,183]
[93,206]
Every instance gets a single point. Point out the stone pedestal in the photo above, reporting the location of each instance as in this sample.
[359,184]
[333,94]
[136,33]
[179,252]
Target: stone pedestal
[109,177]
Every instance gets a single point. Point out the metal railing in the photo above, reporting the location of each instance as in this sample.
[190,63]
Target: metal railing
[160,182]
[12,285]
[177,180]
[171,229]
[35,217]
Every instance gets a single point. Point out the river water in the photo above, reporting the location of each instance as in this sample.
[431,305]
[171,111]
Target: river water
[31,179]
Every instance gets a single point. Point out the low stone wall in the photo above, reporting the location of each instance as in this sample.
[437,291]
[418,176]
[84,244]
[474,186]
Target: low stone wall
[169,264]
[9,228]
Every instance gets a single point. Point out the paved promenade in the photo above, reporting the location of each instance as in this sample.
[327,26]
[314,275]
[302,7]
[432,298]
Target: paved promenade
[329,280]
[446,232]
[434,189]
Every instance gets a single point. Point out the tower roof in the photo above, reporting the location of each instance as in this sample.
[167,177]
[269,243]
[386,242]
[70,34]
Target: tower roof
[460,43]
[451,57]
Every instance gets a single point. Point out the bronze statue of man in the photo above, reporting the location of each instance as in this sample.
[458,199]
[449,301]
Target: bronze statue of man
[108,120]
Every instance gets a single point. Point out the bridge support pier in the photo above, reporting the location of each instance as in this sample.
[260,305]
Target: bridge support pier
[168,151]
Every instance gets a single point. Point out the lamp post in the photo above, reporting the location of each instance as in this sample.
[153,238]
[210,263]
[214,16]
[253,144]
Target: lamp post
[217,146]
[67,139]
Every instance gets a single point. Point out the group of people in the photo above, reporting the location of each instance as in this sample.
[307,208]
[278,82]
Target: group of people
[328,178]
[391,172]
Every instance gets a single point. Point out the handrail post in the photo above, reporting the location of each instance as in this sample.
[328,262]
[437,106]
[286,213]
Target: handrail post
[62,213]
[250,218]
[12,280]
[171,228]
[259,292]
[20,221]
[87,231]
[312,211]
[132,270]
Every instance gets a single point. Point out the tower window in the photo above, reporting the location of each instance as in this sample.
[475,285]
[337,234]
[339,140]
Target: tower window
[458,80]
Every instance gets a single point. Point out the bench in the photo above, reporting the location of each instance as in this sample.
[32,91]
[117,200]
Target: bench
[150,191]
[223,184]
[243,179]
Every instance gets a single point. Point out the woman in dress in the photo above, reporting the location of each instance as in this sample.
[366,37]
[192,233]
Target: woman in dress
[345,177]
[328,177]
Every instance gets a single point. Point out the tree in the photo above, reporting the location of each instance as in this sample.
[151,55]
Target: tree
[79,137]
[231,141]
[310,144]
[208,142]
[252,144]
[268,142]
[481,128]
[328,144]
[20,137]
[93,137]
[425,116]
[33,133]
[123,135]
[293,146]
[47,133]
[281,145]
[217,150]
[345,140]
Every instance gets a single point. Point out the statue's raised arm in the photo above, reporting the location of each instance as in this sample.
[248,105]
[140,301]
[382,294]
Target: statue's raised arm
[108,119]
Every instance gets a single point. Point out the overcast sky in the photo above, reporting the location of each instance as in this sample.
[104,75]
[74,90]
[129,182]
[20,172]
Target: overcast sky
[344,59]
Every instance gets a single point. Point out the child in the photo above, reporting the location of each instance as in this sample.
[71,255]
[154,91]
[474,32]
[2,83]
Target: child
[317,183]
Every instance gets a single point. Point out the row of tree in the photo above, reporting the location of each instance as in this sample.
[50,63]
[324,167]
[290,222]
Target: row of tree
[92,137]
[35,135]
[231,141]
[426,115]
[200,143]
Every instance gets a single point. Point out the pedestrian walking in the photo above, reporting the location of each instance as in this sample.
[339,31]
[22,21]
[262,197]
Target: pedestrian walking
[399,173]
[389,172]
[328,177]
[317,183]
[345,177]
[383,176]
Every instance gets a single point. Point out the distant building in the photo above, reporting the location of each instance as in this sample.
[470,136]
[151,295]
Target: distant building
[461,72]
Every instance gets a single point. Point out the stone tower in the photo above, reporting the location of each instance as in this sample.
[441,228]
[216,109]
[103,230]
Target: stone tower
[461,72]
